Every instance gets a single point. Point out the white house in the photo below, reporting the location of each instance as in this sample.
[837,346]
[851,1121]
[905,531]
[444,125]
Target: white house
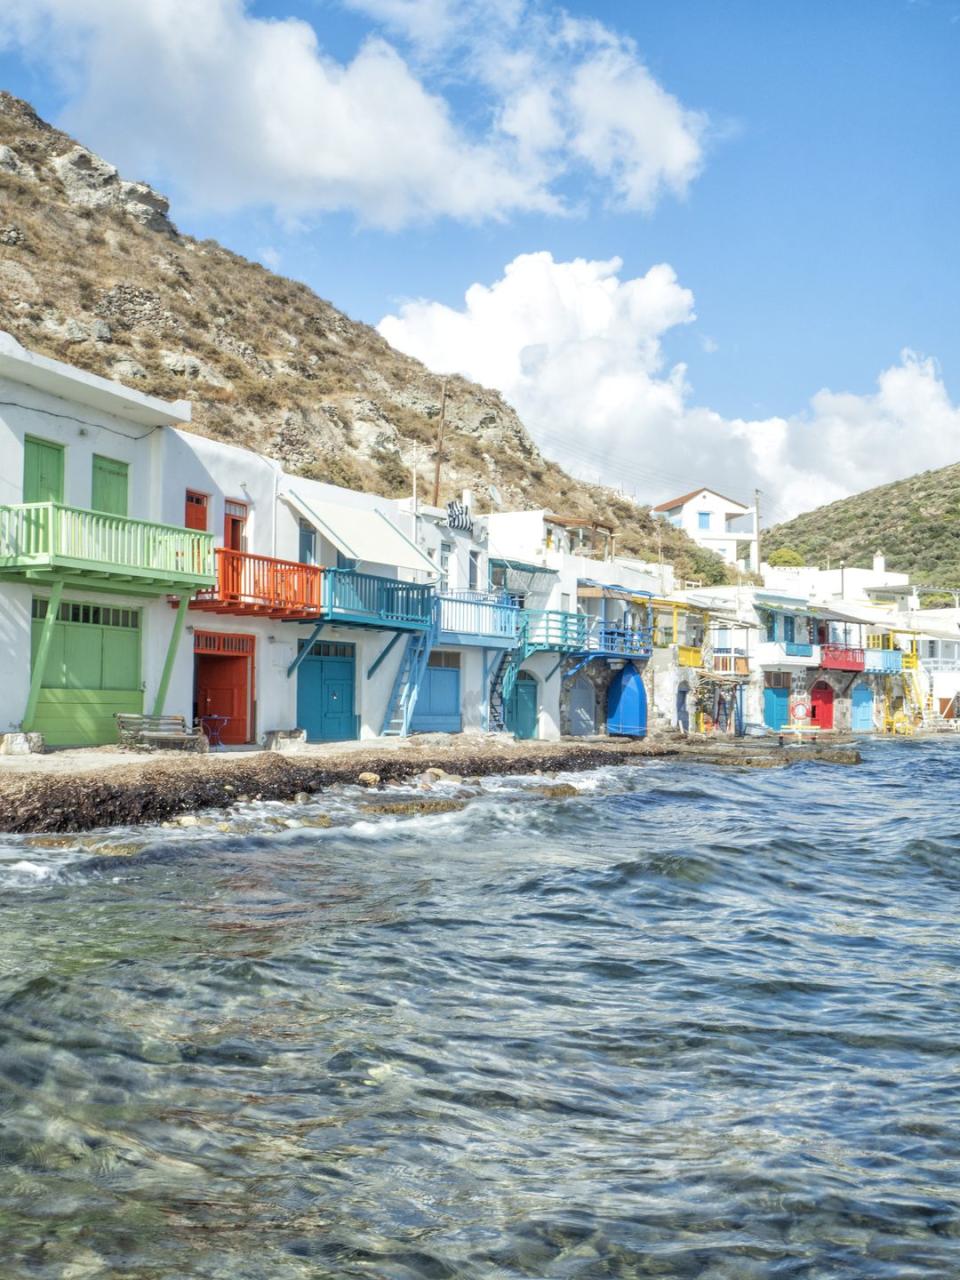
[714,522]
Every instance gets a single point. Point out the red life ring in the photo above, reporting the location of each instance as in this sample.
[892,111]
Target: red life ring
[800,709]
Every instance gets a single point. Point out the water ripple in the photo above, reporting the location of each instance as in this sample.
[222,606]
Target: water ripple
[686,1023]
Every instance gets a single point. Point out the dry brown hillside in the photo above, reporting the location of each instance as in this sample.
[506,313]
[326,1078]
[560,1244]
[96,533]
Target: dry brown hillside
[92,271]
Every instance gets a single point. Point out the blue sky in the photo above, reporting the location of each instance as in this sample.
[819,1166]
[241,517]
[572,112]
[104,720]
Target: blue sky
[815,228]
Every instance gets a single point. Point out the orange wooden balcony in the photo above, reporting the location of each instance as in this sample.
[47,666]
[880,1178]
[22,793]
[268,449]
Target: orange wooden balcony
[248,584]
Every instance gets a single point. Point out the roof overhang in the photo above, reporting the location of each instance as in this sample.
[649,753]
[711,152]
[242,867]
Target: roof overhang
[362,533]
[76,385]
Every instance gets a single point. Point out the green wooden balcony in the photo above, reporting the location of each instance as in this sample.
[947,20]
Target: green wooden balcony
[47,541]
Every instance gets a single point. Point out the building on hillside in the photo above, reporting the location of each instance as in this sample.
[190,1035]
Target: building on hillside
[585,630]
[89,557]
[715,523]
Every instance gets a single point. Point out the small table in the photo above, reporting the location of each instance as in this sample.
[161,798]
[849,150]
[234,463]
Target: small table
[213,726]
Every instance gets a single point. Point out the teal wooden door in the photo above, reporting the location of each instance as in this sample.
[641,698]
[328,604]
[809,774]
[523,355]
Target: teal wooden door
[109,489]
[438,702]
[861,708]
[42,470]
[776,708]
[521,709]
[325,692]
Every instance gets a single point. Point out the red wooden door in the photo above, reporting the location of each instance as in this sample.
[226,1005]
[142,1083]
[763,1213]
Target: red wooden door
[223,689]
[821,706]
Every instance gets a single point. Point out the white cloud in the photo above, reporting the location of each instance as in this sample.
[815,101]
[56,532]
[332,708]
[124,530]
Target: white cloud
[236,111]
[578,351]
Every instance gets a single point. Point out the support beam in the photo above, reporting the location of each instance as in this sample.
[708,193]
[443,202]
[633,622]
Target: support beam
[580,665]
[172,647]
[308,645]
[383,654]
[548,678]
[43,649]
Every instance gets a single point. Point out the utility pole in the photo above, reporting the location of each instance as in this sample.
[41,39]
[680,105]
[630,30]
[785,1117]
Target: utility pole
[756,516]
[436,469]
[416,459]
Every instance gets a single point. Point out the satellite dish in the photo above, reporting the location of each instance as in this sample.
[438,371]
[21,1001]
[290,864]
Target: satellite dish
[495,495]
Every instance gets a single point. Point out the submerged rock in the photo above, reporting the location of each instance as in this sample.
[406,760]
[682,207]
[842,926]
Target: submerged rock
[557,790]
[419,805]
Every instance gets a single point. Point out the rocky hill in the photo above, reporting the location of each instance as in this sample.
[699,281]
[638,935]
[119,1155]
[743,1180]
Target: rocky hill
[93,271]
[914,522]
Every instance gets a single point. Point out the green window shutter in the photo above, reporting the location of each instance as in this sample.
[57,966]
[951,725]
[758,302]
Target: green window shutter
[42,471]
[109,486]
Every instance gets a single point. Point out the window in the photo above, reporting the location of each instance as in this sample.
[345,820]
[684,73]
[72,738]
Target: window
[234,525]
[109,486]
[771,626]
[195,511]
[444,658]
[565,602]
[446,550]
[931,648]
[777,679]
[789,629]
[327,649]
[474,581]
[94,615]
[703,519]
[42,470]
[308,543]
[498,576]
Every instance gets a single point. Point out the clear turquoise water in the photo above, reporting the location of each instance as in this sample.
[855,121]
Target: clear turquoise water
[690,1023]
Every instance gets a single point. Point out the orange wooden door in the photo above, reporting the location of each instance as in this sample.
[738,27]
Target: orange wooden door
[223,689]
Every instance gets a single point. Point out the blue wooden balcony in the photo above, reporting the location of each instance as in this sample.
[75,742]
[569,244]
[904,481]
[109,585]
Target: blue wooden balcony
[557,631]
[796,649]
[887,661]
[367,600]
[477,618]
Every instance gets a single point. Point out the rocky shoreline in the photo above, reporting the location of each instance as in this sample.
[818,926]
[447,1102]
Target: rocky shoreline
[160,787]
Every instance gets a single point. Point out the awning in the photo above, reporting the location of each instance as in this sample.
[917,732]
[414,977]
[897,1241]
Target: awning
[362,533]
[520,566]
[611,591]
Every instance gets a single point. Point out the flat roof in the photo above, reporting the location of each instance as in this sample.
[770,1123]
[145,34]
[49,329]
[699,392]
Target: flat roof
[70,383]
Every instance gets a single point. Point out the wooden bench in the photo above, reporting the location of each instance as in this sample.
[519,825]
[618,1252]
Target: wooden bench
[151,733]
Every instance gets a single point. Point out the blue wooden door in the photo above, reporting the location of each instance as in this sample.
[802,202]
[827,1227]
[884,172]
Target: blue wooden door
[627,704]
[583,708]
[521,709]
[861,711]
[325,690]
[438,702]
[776,708]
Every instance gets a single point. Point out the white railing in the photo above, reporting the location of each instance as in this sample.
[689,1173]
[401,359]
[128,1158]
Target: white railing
[478,613]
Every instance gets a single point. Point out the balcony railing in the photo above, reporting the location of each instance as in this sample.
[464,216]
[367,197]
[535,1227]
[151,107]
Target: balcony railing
[369,600]
[840,657]
[909,661]
[566,632]
[72,542]
[885,660]
[480,614]
[798,649]
[262,585]
[775,653]
[731,663]
[689,655]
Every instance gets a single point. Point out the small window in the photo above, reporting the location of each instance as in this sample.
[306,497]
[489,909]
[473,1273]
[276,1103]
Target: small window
[446,551]
[474,582]
[234,526]
[789,629]
[498,576]
[195,512]
[308,543]
[771,626]
[703,519]
[444,658]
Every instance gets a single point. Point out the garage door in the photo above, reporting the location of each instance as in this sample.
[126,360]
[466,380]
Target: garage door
[438,702]
[325,693]
[92,672]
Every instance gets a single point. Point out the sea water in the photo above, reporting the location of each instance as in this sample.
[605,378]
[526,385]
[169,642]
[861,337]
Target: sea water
[689,1022]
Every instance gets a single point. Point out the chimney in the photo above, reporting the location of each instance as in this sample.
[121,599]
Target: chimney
[467,499]
[879,562]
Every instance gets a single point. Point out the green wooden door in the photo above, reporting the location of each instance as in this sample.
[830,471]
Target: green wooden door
[109,486]
[92,672]
[42,470]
